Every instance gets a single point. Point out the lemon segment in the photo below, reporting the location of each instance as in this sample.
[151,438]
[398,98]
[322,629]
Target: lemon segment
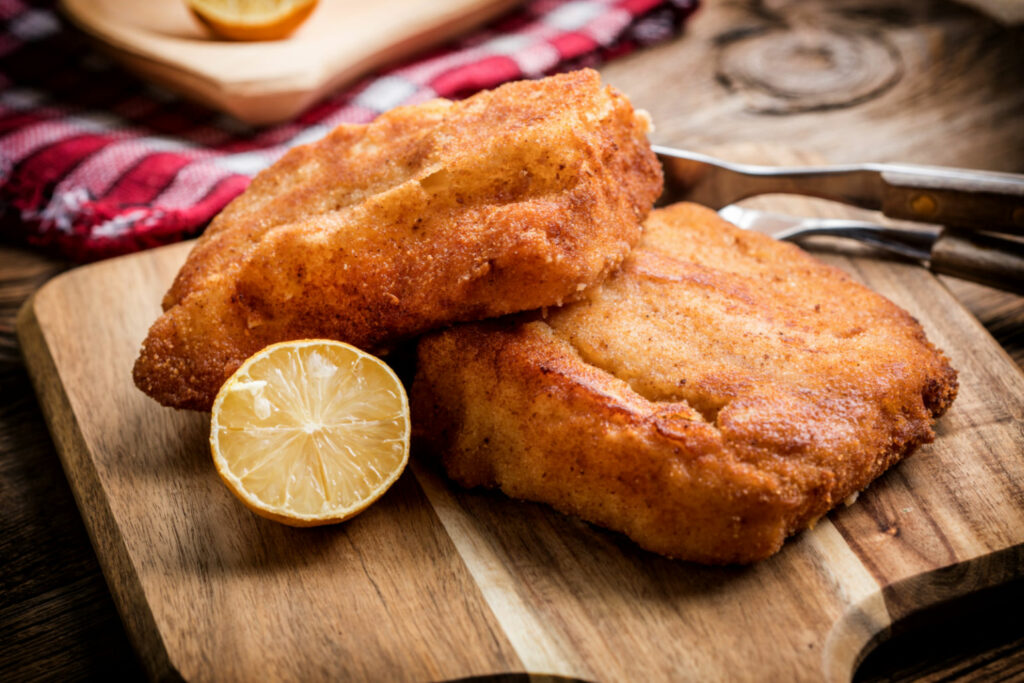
[252,19]
[310,432]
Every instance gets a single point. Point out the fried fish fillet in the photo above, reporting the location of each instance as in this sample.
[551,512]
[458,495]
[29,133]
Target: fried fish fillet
[719,393]
[512,199]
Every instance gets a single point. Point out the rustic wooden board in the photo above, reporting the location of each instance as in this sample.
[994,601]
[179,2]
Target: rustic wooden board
[272,81]
[434,582]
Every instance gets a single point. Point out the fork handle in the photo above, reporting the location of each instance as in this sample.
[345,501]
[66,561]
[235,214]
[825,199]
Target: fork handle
[994,261]
[982,200]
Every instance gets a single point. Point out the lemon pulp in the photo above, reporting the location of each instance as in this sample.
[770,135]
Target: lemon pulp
[310,432]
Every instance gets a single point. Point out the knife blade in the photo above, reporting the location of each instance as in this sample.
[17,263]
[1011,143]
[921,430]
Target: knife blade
[981,200]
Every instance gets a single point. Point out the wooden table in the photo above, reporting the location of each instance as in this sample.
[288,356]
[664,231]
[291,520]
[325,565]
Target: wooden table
[926,82]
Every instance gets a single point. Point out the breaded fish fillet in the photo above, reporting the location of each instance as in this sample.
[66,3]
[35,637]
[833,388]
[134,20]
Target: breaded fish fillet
[515,198]
[719,393]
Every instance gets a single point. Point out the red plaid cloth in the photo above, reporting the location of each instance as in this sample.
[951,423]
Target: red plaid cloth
[94,163]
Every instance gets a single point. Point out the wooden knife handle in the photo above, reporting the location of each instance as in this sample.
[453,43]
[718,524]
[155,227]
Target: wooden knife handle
[982,200]
[979,257]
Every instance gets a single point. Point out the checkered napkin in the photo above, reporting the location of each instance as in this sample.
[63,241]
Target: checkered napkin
[94,163]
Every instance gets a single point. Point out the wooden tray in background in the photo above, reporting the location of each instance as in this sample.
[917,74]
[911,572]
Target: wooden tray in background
[433,582]
[271,81]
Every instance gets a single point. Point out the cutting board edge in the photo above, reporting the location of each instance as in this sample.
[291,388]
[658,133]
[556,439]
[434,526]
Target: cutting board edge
[907,597]
[89,494]
[904,604]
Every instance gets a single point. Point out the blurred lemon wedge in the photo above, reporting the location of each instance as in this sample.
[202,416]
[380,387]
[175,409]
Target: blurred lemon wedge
[310,432]
[252,19]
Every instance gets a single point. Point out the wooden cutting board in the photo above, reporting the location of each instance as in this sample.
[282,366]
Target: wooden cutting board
[272,81]
[434,582]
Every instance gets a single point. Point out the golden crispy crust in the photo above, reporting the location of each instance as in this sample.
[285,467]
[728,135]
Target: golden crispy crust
[516,198]
[718,394]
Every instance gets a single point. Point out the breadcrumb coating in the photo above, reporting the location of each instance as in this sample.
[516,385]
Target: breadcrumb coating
[513,199]
[719,393]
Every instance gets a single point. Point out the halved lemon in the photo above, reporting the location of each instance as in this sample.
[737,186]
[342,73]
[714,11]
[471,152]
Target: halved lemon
[310,432]
[252,19]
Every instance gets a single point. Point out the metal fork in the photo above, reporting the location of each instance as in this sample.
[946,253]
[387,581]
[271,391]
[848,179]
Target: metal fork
[969,255]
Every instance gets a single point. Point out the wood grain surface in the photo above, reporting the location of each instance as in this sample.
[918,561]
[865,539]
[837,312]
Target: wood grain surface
[434,582]
[958,100]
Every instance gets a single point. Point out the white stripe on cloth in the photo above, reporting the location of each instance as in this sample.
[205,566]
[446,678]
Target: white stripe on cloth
[609,26]
[508,44]
[537,59]
[24,141]
[197,179]
[33,24]
[22,98]
[62,210]
[572,16]
[386,93]
[250,163]
[99,172]
[311,134]
[190,184]
[121,224]
[425,72]
[352,114]
[21,143]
